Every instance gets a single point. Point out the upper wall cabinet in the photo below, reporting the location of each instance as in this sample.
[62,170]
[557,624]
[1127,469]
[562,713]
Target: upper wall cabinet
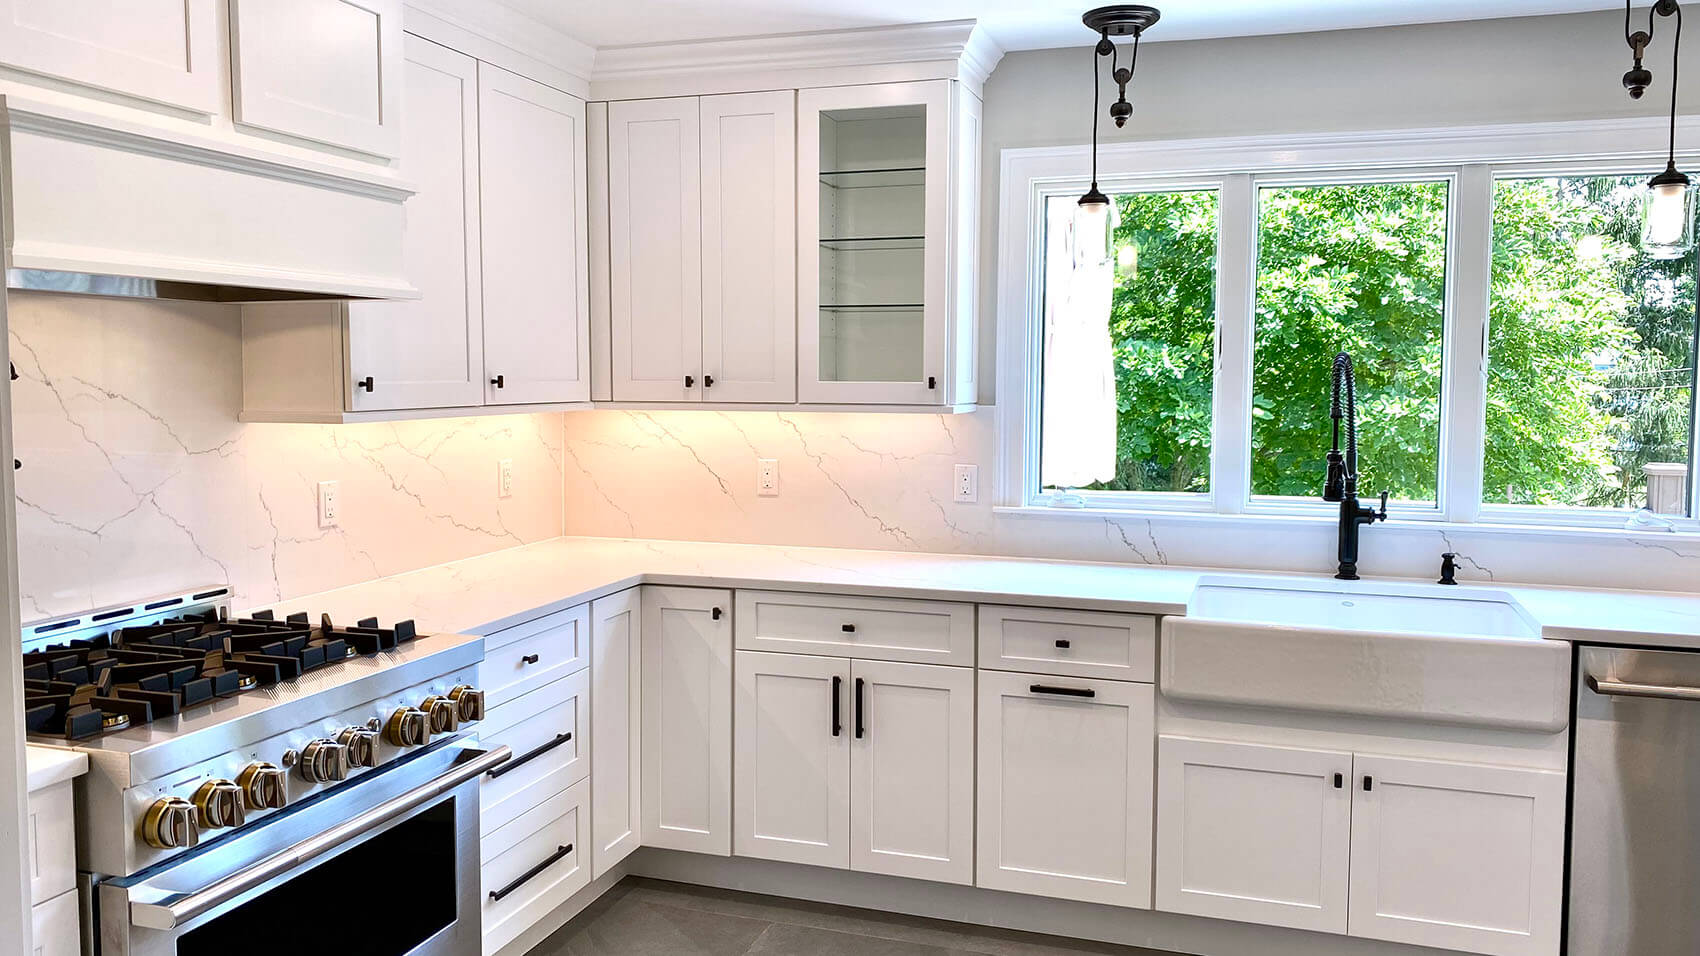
[887,243]
[536,276]
[702,232]
[323,70]
[166,51]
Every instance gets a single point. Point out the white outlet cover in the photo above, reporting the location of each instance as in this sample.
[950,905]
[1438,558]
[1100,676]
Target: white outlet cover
[767,477]
[330,504]
[505,478]
[967,483]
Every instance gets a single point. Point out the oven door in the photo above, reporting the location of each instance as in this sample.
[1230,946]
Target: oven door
[386,866]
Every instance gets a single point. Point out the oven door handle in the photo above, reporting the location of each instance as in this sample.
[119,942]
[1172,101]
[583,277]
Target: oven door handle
[1617,688]
[182,909]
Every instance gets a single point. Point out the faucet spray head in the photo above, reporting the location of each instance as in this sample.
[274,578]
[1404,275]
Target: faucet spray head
[1335,487]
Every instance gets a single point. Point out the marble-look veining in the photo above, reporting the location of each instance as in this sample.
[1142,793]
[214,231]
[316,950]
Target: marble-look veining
[137,477]
[487,593]
[885,482]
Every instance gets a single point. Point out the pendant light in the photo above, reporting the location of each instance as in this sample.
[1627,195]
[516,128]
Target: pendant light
[1667,230]
[1093,216]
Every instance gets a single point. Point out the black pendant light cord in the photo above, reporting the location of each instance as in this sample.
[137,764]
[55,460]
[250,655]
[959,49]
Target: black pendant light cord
[1095,85]
[1675,60]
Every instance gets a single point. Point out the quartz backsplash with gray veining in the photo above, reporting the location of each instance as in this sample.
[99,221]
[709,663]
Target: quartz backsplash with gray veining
[137,477]
[885,481]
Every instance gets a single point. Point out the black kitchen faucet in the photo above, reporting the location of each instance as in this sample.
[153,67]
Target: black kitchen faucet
[1342,483]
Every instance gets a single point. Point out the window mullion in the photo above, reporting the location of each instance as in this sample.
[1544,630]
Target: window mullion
[1236,270]
[1464,379]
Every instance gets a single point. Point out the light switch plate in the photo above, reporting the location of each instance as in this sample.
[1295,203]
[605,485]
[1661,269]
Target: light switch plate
[967,484]
[767,477]
[330,504]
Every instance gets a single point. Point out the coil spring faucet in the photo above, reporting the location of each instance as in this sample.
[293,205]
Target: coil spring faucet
[1342,482]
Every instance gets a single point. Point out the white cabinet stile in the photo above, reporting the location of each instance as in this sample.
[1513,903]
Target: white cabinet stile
[535,237]
[687,719]
[655,249]
[616,725]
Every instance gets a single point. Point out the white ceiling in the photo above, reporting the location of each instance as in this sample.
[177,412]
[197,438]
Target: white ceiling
[1016,24]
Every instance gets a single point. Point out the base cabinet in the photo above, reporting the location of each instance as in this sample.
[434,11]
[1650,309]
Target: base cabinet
[687,719]
[1450,855]
[1065,787]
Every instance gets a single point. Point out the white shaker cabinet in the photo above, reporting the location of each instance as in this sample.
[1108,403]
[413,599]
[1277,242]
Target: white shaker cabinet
[655,249]
[1458,856]
[792,758]
[167,51]
[535,228]
[429,352]
[1065,787]
[687,719]
[886,243]
[1253,833]
[323,70]
[616,727]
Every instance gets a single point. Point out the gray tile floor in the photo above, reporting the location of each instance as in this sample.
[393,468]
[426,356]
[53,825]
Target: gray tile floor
[653,918]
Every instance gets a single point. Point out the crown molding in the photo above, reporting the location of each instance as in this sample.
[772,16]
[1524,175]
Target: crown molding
[955,49]
[505,38]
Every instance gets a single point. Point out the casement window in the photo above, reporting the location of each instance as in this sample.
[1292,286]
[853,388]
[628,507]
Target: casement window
[1519,358]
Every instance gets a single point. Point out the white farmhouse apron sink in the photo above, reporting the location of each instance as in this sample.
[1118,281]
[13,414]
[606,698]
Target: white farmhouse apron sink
[1401,651]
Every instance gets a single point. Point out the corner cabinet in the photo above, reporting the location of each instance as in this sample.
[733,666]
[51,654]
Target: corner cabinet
[888,178]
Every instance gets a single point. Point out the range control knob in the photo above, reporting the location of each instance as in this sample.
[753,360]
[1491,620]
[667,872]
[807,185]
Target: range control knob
[169,824]
[470,701]
[321,761]
[362,746]
[263,786]
[444,714]
[218,803]
[408,728]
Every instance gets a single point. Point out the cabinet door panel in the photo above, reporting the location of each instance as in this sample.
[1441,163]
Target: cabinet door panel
[655,250]
[324,70]
[536,241]
[912,770]
[167,51]
[749,247]
[429,352]
[1065,788]
[687,719]
[1458,856]
[1252,833]
[616,727]
[792,759]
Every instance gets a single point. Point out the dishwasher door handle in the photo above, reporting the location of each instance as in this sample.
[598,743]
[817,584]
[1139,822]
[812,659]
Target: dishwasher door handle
[1617,688]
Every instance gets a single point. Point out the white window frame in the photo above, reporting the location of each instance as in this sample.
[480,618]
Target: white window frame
[1470,158]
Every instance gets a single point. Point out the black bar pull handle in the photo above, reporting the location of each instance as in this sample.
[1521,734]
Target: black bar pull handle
[1339,781]
[837,725]
[524,878]
[519,762]
[1369,784]
[1062,691]
[858,708]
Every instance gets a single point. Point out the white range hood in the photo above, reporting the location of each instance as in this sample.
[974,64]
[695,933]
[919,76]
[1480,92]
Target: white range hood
[101,204]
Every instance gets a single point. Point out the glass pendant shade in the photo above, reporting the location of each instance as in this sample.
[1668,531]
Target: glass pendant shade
[1667,230]
[1092,227]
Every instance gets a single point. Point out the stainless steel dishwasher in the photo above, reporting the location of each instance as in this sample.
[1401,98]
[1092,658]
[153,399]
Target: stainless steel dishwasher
[1635,810]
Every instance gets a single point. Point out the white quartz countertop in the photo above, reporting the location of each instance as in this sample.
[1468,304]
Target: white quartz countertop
[487,593]
[51,765]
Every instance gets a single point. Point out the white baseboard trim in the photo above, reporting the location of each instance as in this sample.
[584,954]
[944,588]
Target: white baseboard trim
[1014,911]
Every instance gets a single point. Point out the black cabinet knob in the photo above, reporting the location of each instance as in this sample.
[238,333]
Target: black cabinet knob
[365,383]
[932,382]
[500,381]
[847,628]
[528,659]
[708,381]
[690,381]
[714,613]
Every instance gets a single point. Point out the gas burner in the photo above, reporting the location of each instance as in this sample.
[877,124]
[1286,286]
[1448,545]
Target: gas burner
[99,682]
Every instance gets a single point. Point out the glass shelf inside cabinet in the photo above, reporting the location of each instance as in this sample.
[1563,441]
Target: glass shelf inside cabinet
[874,178]
[872,243]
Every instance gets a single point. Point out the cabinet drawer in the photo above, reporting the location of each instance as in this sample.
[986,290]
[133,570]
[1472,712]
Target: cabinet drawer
[838,625]
[547,731]
[1071,643]
[56,929]
[52,843]
[527,656]
[534,864]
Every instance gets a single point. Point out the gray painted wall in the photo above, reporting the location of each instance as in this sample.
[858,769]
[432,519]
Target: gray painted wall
[1522,70]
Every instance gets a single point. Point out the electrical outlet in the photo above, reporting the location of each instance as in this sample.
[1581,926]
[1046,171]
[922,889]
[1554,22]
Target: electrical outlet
[505,478]
[330,504]
[767,477]
[967,484]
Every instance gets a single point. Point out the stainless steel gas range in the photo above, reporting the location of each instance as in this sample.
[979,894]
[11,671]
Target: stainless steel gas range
[257,785]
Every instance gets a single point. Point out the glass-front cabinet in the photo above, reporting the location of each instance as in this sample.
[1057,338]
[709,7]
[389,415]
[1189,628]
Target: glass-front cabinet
[887,243]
